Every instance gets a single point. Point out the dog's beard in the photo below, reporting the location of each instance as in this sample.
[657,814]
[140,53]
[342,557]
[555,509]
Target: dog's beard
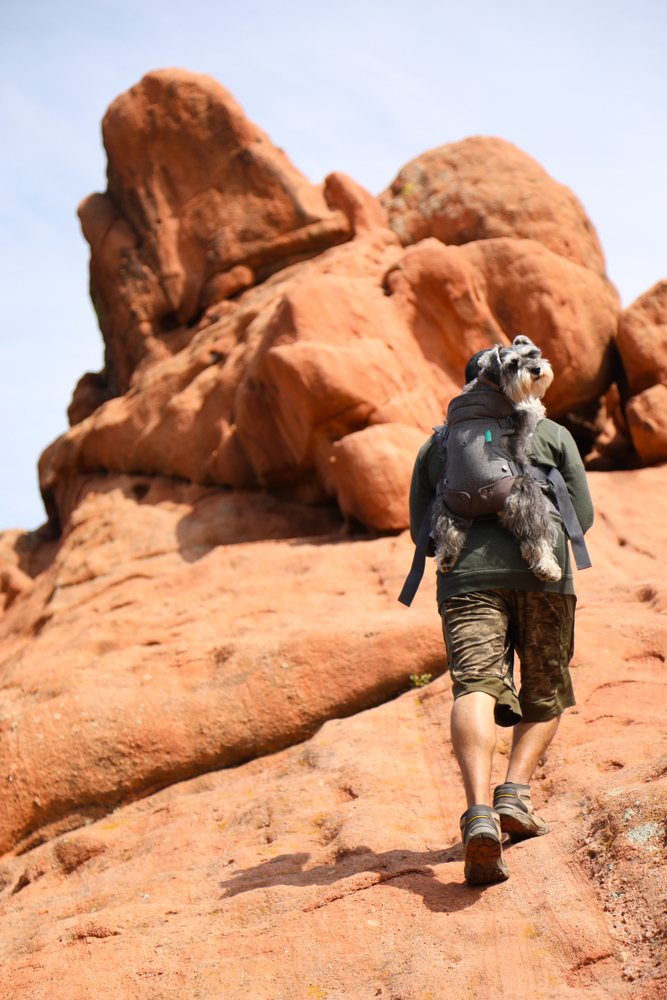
[523,385]
[541,384]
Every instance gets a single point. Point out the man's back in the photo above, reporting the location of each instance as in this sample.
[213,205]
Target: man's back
[491,558]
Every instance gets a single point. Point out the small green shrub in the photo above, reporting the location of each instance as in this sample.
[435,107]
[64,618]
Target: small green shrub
[420,680]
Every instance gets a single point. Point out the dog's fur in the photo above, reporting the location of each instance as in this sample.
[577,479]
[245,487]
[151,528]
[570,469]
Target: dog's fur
[522,374]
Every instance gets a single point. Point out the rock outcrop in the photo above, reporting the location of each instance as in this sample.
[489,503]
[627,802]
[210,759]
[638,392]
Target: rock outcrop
[172,635]
[200,205]
[501,288]
[484,188]
[647,419]
[260,397]
[642,339]
[253,321]
[636,429]
[365,334]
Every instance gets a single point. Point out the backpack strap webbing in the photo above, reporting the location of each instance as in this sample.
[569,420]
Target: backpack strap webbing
[414,577]
[567,513]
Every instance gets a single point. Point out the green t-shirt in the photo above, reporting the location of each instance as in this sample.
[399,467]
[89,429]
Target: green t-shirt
[491,559]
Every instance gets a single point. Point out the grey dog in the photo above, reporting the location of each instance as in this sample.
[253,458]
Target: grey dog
[523,376]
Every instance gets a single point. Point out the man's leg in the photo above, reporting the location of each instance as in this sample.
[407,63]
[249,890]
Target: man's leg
[529,742]
[474,740]
[512,799]
[480,662]
[542,630]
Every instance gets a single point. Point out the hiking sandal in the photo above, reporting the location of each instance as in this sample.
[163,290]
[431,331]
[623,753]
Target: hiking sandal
[513,804]
[482,850]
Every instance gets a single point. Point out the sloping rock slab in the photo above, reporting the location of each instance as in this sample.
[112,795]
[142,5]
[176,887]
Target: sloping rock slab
[333,867]
[150,650]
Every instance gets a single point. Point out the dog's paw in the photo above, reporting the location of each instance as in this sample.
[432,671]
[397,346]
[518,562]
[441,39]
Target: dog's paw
[547,569]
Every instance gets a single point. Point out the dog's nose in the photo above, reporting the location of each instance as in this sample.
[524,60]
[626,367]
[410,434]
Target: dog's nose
[536,371]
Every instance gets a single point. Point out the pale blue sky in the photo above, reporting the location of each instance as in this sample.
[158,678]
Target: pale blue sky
[357,86]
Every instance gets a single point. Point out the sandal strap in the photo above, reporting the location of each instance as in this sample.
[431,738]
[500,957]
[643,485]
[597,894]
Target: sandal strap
[479,819]
[519,794]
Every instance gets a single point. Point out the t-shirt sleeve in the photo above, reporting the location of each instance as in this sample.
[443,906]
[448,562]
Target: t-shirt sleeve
[425,475]
[554,445]
[574,474]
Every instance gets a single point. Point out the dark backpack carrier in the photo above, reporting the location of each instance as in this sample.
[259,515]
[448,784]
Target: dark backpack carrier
[475,445]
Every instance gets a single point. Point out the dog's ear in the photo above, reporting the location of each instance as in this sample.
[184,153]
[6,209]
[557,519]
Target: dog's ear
[526,348]
[490,363]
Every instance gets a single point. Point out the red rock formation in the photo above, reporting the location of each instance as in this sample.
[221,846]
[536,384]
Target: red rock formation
[372,470]
[613,448]
[636,434]
[642,339]
[259,390]
[162,606]
[199,204]
[496,289]
[647,419]
[320,351]
[315,352]
[483,188]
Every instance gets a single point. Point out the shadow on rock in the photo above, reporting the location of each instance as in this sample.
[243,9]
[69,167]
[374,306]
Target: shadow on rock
[231,517]
[411,871]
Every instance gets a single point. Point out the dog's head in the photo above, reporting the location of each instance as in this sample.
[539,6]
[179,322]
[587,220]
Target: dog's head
[519,371]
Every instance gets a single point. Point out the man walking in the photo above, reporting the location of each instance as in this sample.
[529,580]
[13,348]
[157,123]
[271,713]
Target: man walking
[492,605]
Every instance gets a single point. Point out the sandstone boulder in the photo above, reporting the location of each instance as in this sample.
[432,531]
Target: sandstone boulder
[441,296]
[642,339]
[364,334]
[372,471]
[458,300]
[647,419]
[484,188]
[612,443]
[568,310]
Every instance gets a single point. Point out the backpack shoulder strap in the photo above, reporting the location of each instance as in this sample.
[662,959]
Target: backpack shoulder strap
[567,513]
[441,433]
[414,577]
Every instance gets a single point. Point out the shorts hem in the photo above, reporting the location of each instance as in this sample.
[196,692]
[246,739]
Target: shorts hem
[536,713]
[507,710]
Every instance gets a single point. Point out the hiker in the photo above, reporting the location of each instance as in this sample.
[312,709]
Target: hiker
[492,604]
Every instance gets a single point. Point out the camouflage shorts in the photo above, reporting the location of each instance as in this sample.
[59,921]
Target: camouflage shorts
[483,629]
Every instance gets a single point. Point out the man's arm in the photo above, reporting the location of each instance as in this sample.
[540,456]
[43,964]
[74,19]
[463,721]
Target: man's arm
[425,475]
[554,445]
[573,472]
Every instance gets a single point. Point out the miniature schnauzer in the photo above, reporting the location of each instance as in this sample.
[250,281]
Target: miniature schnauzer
[523,376]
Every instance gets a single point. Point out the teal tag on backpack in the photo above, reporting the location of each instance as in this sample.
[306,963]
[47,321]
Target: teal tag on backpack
[488,435]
